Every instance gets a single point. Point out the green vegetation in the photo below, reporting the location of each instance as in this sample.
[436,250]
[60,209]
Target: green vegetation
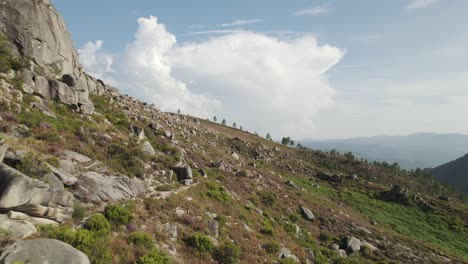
[141,239]
[32,166]
[266,229]
[93,243]
[201,243]
[227,254]
[411,221]
[112,113]
[125,160]
[98,223]
[78,211]
[117,214]
[271,247]
[217,193]
[268,198]
[154,257]
[7,60]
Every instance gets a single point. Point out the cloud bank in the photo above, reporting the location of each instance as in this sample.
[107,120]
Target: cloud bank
[261,82]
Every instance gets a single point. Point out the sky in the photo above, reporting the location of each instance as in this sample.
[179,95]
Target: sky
[298,68]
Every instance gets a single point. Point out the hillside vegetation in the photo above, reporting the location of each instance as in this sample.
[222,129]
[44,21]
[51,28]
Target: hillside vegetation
[454,173]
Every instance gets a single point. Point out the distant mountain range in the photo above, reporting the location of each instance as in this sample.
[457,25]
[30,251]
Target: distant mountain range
[454,173]
[421,150]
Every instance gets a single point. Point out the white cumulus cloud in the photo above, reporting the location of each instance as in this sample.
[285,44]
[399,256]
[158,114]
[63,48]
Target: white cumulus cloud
[263,83]
[419,4]
[314,11]
[96,62]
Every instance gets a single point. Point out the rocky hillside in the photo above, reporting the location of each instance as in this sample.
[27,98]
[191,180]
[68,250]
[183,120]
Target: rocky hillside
[454,173]
[89,175]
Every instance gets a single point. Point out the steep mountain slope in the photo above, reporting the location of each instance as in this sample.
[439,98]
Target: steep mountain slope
[119,181]
[454,173]
[421,150]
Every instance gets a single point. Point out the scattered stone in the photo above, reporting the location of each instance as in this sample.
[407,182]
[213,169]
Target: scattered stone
[247,228]
[213,228]
[3,149]
[41,87]
[64,177]
[368,246]
[43,109]
[168,134]
[350,244]
[155,126]
[286,254]
[20,131]
[184,173]
[87,109]
[309,255]
[55,183]
[16,229]
[147,149]
[74,156]
[40,251]
[307,213]
[334,247]
[180,212]
[342,253]
[171,230]
[292,184]
[397,194]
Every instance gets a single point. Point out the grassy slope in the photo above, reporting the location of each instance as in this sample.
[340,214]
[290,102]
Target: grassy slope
[339,207]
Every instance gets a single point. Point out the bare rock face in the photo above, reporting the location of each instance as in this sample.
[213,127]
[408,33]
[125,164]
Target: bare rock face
[33,197]
[95,187]
[39,32]
[40,251]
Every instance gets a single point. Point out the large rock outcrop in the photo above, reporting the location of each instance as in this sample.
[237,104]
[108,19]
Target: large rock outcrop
[38,31]
[40,251]
[97,188]
[21,193]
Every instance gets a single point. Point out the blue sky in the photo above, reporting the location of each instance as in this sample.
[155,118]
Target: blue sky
[397,67]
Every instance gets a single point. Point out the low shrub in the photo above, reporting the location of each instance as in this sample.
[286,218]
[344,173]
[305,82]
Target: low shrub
[217,193]
[78,211]
[271,247]
[268,198]
[154,257]
[266,229]
[125,160]
[98,223]
[227,254]
[117,214]
[32,166]
[200,242]
[141,239]
[220,219]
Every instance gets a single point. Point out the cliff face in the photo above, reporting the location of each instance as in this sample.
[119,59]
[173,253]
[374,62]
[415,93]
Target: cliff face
[38,31]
